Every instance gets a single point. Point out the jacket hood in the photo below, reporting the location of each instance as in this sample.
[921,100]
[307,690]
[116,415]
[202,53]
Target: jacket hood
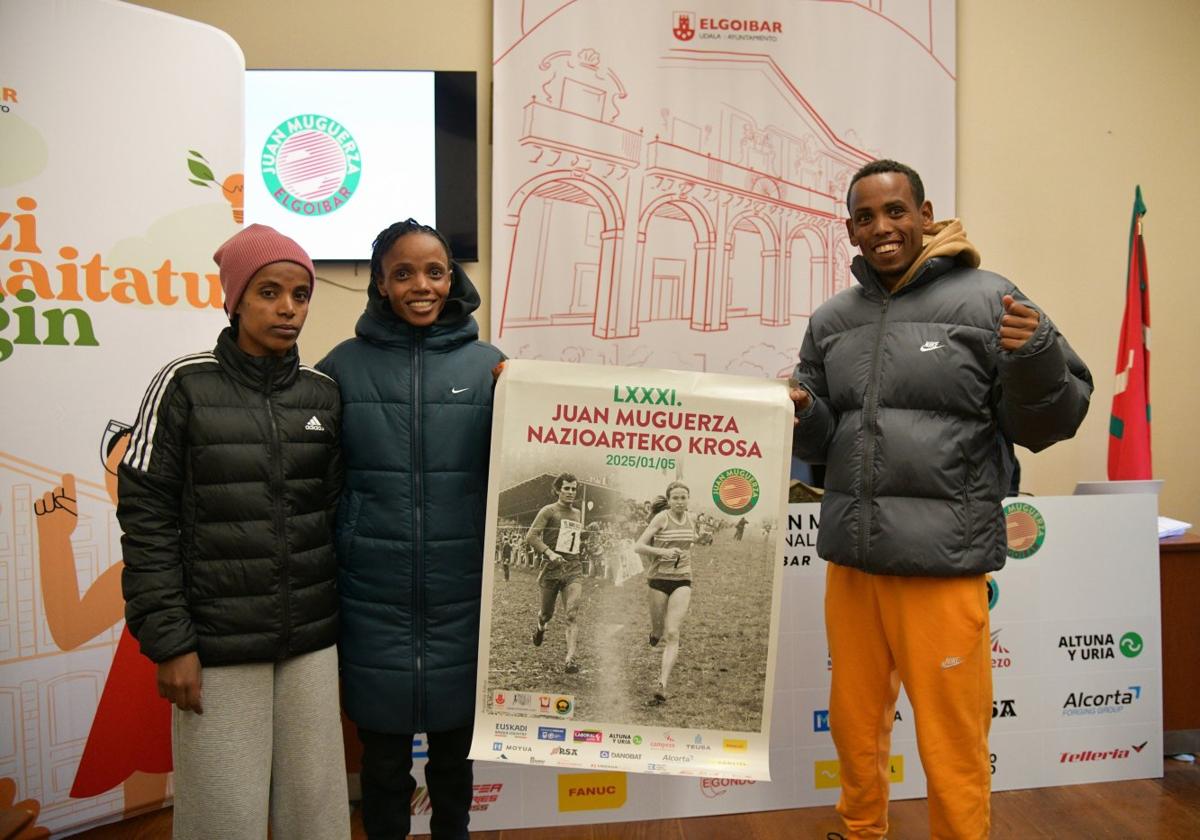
[379,323]
[945,239]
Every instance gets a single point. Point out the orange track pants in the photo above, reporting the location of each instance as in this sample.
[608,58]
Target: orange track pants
[931,634]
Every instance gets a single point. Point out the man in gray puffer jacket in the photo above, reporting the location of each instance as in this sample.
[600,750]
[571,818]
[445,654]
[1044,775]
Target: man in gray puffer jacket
[912,388]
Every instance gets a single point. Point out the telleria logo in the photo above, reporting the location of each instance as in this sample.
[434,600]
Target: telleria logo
[311,164]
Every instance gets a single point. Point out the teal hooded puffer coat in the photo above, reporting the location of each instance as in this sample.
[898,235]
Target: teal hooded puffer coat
[416,432]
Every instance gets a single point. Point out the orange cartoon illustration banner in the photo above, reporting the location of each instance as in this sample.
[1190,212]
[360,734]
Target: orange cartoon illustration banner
[116,185]
[669,185]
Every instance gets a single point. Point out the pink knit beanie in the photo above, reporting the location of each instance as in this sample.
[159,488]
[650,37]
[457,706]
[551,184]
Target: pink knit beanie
[250,249]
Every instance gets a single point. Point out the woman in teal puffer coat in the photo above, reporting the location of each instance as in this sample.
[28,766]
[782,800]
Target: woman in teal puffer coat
[416,386]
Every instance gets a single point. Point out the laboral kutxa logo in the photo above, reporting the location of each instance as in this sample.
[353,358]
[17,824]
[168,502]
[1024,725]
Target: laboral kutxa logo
[311,164]
[1026,530]
[735,491]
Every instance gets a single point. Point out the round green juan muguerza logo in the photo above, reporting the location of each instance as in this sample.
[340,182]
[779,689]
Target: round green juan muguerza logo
[1026,530]
[311,164]
[735,491]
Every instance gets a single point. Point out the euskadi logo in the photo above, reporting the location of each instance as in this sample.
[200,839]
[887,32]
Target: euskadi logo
[735,491]
[683,25]
[1026,530]
[311,164]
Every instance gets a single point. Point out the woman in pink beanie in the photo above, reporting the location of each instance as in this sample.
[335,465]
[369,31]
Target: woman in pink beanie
[227,495]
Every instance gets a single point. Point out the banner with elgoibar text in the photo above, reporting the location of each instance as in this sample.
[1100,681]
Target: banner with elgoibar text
[120,175]
[630,615]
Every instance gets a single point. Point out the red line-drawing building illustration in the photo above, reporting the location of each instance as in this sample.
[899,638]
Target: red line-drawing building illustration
[666,214]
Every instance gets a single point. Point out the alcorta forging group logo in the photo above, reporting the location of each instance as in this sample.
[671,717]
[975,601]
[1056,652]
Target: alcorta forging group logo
[1026,530]
[683,25]
[311,164]
[735,491]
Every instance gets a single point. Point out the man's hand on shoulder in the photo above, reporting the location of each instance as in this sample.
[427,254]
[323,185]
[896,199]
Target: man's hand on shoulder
[1017,325]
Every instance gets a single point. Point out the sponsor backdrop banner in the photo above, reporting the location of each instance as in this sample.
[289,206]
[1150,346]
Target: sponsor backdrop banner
[116,185]
[1076,663]
[669,181]
[717,447]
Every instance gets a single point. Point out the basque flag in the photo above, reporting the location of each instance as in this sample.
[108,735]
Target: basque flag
[1129,428]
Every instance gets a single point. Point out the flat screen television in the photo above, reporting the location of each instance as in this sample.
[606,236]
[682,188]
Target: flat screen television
[335,156]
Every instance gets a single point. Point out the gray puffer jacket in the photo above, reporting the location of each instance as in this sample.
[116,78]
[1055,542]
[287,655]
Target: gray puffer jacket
[916,408]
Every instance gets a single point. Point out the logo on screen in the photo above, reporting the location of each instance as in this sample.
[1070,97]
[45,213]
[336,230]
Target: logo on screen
[311,164]
[1026,530]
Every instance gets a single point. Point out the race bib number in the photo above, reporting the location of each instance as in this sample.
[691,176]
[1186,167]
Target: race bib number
[570,537]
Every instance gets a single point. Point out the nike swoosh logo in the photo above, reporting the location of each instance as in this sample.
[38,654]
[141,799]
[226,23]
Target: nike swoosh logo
[458,390]
[925,348]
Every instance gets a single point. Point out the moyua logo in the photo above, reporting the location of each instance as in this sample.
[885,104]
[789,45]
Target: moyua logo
[311,164]
[1026,530]
[735,491]
[1131,645]
[591,791]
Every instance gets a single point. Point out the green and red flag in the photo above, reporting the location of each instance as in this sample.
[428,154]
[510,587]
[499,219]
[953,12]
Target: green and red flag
[1129,427]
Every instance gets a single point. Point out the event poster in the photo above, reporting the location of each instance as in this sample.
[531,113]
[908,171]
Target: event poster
[630,619]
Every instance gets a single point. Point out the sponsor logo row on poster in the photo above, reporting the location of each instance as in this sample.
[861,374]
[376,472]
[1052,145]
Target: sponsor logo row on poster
[673,751]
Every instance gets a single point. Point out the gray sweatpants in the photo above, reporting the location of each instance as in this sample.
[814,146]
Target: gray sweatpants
[270,739]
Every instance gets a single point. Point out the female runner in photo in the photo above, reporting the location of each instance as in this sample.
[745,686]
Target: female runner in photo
[667,541]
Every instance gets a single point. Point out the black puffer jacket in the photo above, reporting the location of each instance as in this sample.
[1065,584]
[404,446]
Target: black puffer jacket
[226,501]
[916,408]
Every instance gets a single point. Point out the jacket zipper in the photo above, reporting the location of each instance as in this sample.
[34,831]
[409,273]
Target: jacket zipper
[871,400]
[418,542]
[285,589]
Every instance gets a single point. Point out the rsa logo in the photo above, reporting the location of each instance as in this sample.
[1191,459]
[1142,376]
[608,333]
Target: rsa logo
[683,25]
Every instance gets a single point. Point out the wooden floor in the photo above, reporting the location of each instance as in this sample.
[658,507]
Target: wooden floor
[1150,809]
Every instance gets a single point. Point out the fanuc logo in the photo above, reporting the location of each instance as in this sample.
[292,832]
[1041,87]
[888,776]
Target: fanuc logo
[591,791]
